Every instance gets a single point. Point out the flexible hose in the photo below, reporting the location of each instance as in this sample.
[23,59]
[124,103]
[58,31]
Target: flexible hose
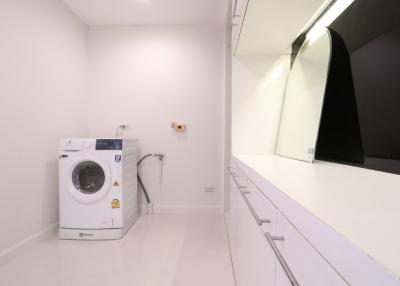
[144,189]
[144,157]
[160,156]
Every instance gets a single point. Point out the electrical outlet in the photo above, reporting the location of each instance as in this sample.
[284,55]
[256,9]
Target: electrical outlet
[210,189]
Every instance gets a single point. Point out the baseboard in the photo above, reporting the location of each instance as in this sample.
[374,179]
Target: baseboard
[184,209]
[9,251]
[187,209]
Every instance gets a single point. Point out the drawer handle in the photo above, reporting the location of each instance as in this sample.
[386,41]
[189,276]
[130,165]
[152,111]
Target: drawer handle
[237,183]
[259,220]
[271,241]
[229,169]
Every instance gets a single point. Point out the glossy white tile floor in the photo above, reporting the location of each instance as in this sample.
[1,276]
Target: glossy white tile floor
[160,250]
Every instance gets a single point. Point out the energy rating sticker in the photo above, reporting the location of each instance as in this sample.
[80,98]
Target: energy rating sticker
[115,204]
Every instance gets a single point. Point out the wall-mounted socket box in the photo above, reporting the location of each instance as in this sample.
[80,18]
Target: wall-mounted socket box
[179,127]
[210,189]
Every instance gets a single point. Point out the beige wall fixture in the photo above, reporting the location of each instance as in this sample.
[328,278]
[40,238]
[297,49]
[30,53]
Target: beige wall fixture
[179,127]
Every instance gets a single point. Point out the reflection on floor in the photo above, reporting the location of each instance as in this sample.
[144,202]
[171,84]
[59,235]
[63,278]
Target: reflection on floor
[160,250]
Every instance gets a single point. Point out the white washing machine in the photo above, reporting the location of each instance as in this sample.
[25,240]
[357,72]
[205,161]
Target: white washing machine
[97,188]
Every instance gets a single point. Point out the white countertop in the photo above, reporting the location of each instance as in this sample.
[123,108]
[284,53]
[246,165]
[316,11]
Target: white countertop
[360,204]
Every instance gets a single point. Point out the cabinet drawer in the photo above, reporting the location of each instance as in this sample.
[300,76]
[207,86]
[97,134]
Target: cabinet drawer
[263,208]
[255,260]
[238,14]
[233,170]
[306,265]
[238,184]
[238,177]
[235,32]
[238,9]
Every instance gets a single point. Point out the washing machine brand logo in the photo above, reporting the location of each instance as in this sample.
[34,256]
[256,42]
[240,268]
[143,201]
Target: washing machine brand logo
[117,158]
[81,234]
[115,204]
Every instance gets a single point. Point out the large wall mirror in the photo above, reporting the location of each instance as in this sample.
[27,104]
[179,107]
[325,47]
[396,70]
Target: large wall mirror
[304,98]
[370,30]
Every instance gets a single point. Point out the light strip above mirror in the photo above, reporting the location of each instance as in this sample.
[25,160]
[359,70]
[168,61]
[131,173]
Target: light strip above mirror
[327,17]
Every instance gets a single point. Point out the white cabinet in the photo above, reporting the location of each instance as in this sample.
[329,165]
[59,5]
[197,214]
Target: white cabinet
[255,259]
[237,8]
[306,264]
[282,278]
[238,14]
[237,183]
[263,208]
[232,219]
[266,249]
[235,32]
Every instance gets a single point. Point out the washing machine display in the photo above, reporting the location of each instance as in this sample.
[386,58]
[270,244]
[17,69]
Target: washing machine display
[88,177]
[108,144]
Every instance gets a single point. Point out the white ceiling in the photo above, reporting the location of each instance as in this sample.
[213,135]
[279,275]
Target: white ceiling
[150,12]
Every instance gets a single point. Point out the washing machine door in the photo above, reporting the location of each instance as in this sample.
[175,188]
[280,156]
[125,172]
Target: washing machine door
[90,180]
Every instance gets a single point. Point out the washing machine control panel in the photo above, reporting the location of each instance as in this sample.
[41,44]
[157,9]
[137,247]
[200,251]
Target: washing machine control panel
[76,144]
[86,145]
[109,144]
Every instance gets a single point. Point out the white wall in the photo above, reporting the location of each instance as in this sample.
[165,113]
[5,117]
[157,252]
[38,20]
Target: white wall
[228,114]
[42,98]
[259,84]
[151,76]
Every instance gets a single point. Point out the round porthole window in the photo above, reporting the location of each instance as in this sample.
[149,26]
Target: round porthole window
[88,177]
